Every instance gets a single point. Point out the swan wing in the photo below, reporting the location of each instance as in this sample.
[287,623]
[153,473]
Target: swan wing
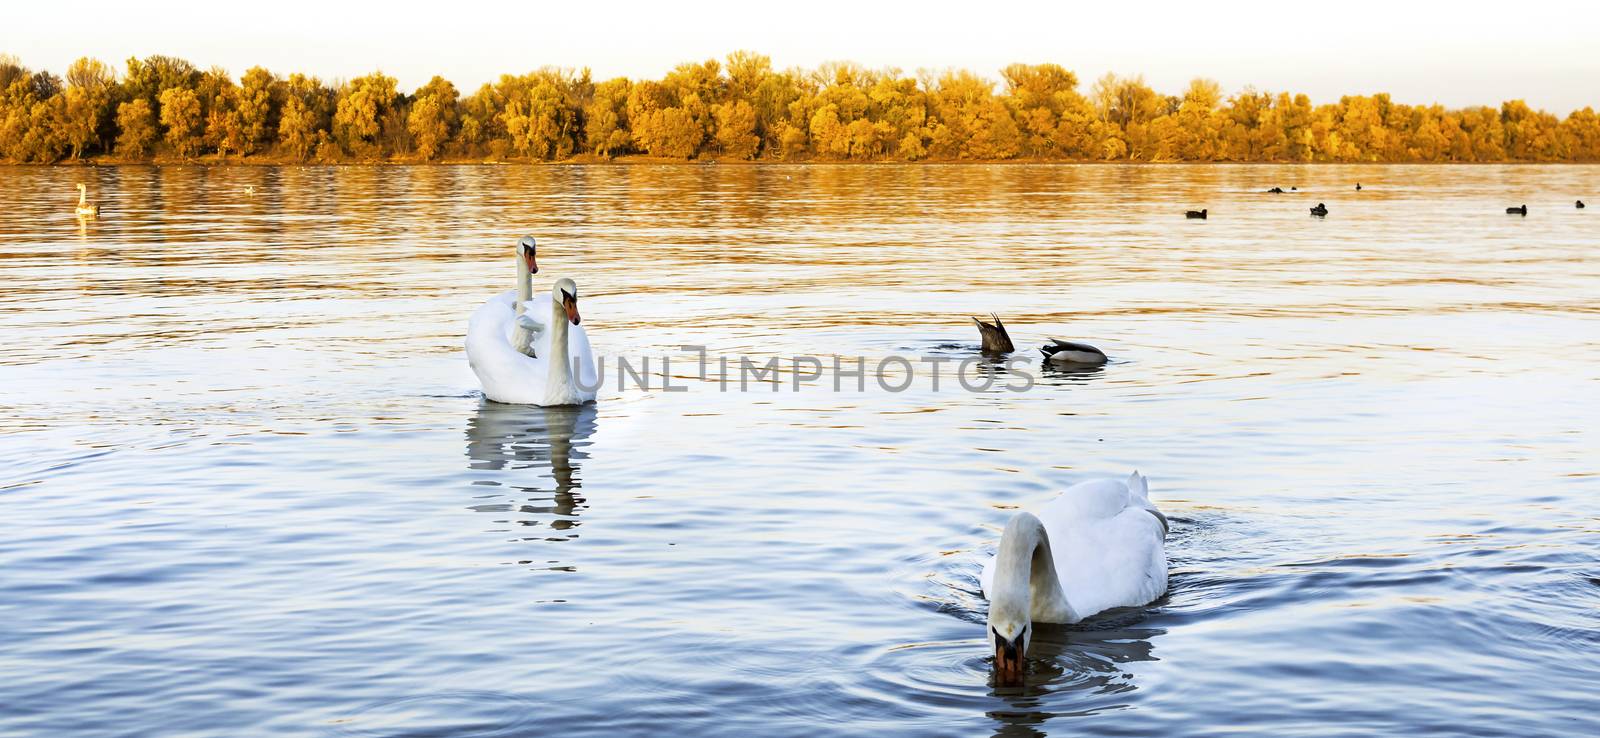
[1109,548]
[506,374]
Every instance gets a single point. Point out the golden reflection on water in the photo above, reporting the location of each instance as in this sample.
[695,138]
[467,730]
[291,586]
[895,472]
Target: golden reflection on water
[1369,431]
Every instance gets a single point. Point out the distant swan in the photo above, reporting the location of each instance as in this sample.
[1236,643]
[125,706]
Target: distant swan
[519,358]
[1320,210]
[1523,211]
[84,208]
[1199,214]
[1100,544]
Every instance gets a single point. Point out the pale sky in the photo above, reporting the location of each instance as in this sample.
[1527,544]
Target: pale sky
[1544,51]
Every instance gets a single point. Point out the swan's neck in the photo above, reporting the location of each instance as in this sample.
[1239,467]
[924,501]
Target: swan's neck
[1026,583]
[524,337]
[83,196]
[559,388]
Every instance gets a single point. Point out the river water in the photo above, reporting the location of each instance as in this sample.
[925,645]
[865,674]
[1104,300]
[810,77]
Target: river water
[248,485]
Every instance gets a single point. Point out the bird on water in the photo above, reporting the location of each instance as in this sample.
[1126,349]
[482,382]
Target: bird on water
[1581,205]
[1320,210]
[995,338]
[1196,214]
[1523,211]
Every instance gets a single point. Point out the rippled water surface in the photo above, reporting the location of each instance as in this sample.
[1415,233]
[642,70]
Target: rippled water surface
[248,485]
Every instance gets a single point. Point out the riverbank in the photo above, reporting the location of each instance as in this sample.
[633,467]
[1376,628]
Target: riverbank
[645,160]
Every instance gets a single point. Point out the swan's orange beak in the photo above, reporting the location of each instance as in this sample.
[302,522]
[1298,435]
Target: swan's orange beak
[1007,662]
[571,303]
[533,264]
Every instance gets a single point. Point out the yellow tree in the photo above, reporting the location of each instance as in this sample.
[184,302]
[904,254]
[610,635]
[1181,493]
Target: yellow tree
[89,89]
[363,102]
[255,109]
[181,116]
[138,126]
[605,123]
[433,117]
[1197,122]
[736,129]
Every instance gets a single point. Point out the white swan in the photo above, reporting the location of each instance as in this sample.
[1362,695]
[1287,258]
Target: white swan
[521,360]
[84,208]
[1099,545]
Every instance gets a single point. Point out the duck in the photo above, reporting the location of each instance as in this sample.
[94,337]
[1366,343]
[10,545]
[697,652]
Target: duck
[1100,544]
[525,350]
[1197,214]
[995,338]
[1358,187]
[1275,191]
[1523,211]
[1581,205]
[1072,353]
[1320,210]
[84,208]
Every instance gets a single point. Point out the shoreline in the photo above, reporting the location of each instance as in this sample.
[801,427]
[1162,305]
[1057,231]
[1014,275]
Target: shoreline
[647,161]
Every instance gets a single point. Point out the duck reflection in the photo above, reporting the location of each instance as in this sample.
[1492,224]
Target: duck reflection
[513,438]
[1076,671]
[1064,375]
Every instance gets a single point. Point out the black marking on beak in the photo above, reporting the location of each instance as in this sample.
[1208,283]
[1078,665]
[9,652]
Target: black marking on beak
[530,250]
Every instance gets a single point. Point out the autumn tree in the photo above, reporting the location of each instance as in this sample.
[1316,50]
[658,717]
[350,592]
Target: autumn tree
[434,117]
[256,109]
[138,125]
[736,129]
[357,118]
[181,116]
[605,118]
[89,95]
[971,122]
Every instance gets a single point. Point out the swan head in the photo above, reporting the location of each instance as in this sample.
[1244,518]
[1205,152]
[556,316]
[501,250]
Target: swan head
[1011,599]
[565,294]
[526,248]
[1009,633]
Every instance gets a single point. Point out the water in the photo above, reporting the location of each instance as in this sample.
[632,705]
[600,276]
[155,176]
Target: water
[248,487]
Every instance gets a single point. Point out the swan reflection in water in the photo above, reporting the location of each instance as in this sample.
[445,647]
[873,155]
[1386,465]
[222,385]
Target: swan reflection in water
[528,445]
[1076,671]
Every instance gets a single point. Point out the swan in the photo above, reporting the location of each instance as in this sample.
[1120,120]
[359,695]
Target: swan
[522,360]
[84,208]
[1100,544]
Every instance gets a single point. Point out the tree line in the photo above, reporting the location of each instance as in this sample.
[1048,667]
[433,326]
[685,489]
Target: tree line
[741,108]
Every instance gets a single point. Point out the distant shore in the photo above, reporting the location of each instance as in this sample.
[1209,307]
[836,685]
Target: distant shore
[643,160]
[164,110]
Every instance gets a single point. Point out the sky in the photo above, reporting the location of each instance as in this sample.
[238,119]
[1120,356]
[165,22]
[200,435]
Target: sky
[1544,51]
